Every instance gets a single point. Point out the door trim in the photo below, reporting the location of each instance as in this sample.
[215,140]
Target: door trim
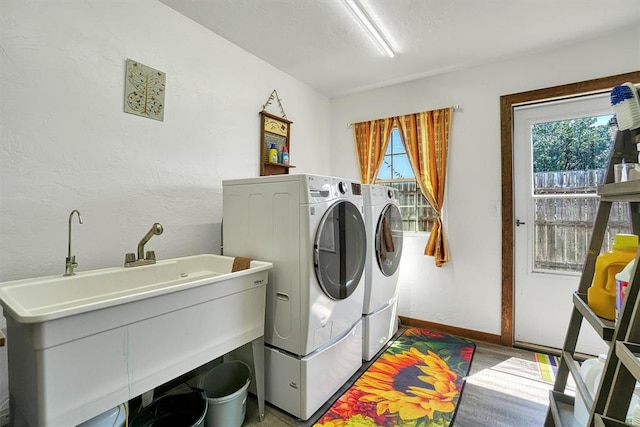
[507,102]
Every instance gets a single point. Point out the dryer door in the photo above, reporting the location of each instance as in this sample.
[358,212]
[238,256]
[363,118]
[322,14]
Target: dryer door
[340,250]
[389,239]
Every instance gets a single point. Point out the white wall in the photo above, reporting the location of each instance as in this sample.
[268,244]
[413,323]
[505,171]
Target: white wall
[467,292]
[65,142]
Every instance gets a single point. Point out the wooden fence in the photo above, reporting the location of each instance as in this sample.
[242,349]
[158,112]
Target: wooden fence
[565,210]
[417,214]
[563,218]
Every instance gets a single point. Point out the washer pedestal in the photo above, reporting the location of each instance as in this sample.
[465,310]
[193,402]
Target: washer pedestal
[301,386]
[379,327]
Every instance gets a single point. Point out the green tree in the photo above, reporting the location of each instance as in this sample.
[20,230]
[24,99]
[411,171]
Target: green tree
[576,144]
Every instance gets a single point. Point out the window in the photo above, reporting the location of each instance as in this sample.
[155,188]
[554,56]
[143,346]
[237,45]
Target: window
[569,161]
[396,172]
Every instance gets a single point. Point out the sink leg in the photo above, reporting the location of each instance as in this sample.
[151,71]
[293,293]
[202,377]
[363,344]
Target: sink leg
[257,347]
[16,418]
[12,410]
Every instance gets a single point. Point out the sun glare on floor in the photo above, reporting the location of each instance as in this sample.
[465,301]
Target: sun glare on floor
[516,377]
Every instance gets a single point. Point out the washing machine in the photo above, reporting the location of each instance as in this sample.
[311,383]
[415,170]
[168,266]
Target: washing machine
[312,229]
[383,222]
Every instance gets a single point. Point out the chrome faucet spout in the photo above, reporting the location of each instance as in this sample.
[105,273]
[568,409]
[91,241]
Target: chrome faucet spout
[130,259]
[70,263]
[156,230]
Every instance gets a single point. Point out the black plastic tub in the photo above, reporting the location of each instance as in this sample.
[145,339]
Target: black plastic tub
[176,410]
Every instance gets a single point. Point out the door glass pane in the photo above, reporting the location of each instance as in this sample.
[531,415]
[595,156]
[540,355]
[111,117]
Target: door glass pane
[569,162]
[340,250]
[389,240]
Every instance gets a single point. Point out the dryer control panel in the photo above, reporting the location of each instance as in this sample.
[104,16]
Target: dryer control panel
[327,188]
[320,188]
[356,188]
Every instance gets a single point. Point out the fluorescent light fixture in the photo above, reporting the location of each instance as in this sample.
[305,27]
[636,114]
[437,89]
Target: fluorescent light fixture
[365,20]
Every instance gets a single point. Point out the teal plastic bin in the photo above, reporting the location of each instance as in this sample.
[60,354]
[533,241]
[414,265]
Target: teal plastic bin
[226,389]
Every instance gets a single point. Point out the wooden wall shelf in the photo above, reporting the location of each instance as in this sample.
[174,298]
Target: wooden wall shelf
[269,168]
[273,130]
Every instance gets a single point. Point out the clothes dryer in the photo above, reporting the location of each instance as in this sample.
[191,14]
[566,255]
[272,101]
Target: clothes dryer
[312,229]
[383,222]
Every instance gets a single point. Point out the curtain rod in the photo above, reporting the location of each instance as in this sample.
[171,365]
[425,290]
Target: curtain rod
[455,107]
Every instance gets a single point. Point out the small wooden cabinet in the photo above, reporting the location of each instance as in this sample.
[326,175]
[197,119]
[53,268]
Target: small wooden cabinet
[273,130]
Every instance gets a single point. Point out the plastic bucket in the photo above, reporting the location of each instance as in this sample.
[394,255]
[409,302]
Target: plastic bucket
[591,371]
[176,410]
[114,417]
[225,388]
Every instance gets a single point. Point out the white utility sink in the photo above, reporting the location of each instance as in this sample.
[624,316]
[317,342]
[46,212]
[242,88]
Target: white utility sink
[80,345]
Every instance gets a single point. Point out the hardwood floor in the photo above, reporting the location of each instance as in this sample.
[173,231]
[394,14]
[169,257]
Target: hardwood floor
[503,389]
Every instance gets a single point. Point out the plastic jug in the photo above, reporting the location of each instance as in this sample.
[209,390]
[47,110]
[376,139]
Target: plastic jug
[273,154]
[590,371]
[284,156]
[622,281]
[634,407]
[601,296]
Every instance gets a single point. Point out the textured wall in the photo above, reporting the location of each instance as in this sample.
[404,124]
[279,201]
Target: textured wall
[467,292]
[65,142]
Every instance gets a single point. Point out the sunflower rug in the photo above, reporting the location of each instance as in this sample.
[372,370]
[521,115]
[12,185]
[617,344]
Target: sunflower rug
[547,366]
[417,382]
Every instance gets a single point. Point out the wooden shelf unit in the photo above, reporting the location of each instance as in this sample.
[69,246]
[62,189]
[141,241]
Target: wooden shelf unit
[273,130]
[622,369]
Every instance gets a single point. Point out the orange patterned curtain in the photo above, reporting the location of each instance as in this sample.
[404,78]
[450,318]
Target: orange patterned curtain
[371,140]
[426,138]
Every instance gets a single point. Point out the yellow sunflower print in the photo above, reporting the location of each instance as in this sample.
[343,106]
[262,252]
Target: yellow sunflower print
[410,384]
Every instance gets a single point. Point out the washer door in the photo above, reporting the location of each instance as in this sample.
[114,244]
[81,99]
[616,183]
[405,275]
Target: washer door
[389,239]
[340,250]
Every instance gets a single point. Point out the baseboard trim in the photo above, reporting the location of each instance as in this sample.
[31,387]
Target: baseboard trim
[453,330]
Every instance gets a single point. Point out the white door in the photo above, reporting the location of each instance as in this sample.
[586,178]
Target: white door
[554,212]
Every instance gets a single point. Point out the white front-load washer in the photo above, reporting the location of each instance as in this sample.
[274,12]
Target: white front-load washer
[383,222]
[312,229]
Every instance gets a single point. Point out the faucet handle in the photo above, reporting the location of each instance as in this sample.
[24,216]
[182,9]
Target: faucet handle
[151,255]
[69,265]
[129,257]
[71,262]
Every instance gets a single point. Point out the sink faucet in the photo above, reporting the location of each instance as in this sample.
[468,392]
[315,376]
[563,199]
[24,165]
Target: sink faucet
[130,259]
[70,263]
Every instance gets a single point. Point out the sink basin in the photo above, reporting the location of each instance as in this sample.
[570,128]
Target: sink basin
[53,297]
[80,345]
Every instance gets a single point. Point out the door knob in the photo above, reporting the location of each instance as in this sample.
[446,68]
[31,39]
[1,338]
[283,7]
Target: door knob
[519,223]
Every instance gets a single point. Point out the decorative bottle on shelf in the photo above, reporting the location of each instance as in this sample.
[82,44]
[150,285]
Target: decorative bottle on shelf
[273,154]
[284,156]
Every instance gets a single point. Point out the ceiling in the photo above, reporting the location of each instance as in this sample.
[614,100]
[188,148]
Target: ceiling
[321,44]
